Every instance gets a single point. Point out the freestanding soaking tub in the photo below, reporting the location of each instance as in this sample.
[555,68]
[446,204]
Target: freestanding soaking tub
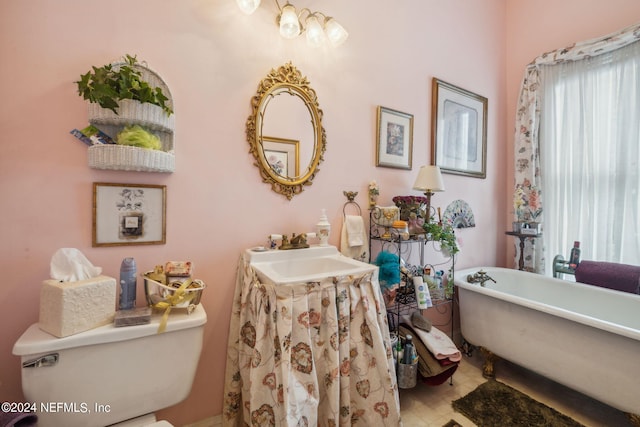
[582,336]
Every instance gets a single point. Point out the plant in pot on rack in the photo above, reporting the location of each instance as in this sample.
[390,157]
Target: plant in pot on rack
[444,234]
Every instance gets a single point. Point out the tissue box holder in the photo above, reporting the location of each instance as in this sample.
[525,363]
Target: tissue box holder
[68,308]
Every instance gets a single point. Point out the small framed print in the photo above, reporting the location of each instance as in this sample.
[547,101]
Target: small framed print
[283,155]
[459,130]
[128,214]
[394,139]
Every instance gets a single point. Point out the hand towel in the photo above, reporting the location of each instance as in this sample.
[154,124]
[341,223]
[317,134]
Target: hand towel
[359,252]
[355,230]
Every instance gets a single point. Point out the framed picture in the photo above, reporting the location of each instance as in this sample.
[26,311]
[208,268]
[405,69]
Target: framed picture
[129,214]
[283,155]
[394,139]
[459,130]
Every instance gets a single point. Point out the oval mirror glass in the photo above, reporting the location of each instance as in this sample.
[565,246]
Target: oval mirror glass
[285,131]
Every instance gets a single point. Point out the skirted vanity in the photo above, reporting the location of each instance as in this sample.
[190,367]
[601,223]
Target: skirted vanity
[309,343]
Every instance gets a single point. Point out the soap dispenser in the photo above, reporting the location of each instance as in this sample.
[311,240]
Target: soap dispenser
[323,229]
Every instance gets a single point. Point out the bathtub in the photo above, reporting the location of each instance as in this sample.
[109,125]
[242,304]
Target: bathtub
[584,337]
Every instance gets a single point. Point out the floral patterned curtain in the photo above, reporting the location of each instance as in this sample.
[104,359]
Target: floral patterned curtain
[309,354]
[528,200]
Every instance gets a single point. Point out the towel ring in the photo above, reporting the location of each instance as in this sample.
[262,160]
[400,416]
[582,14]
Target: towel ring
[351,195]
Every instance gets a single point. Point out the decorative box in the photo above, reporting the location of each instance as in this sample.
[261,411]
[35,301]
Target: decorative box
[525,227]
[388,215]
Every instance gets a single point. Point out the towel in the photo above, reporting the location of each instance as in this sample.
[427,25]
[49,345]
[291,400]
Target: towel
[434,371]
[438,343]
[353,239]
[355,230]
[620,277]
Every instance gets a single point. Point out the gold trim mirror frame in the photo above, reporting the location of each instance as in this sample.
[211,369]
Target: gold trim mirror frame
[281,167]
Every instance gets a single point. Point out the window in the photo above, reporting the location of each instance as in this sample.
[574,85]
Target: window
[590,156]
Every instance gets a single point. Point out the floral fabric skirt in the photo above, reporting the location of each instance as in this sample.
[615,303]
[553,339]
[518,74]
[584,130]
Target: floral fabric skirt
[309,354]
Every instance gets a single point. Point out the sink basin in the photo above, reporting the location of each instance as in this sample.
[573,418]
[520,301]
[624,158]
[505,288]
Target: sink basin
[303,265]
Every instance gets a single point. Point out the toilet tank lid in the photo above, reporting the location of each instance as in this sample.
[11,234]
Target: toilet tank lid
[35,341]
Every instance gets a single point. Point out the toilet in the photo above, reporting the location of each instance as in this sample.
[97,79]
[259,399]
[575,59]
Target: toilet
[110,375]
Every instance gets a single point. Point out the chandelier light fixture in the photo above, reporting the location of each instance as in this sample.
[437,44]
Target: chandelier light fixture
[318,27]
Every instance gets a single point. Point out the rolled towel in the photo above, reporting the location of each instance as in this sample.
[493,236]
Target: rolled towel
[620,277]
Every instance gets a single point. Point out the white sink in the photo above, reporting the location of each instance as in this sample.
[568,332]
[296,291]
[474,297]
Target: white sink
[303,265]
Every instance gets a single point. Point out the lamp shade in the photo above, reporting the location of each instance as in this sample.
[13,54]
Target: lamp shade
[429,179]
[289,24]
[335,32]
[315,33]
[248,6]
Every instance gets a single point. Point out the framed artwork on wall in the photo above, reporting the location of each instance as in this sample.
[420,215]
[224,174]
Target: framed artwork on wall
[129,214]
[394,139]
[458,130]
[283,155]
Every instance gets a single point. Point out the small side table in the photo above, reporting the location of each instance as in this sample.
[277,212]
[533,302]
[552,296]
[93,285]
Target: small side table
[522,237]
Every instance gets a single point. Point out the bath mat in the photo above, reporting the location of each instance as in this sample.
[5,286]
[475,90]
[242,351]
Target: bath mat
[496,404]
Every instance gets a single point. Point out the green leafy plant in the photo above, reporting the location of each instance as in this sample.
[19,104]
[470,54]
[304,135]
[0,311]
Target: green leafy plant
[444,234]
[107,85]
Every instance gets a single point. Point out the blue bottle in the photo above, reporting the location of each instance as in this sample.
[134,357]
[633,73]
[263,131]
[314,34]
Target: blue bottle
[127,284]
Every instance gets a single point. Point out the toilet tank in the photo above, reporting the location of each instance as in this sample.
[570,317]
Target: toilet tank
[108,374]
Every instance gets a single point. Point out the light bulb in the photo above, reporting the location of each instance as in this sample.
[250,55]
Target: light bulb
[315,33]
[248,6]
[289,24]
[335,32]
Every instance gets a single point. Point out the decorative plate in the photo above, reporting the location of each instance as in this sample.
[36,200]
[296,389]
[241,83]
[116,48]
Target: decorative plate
[459,215]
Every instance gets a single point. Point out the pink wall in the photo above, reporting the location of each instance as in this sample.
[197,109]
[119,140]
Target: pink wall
[213,57]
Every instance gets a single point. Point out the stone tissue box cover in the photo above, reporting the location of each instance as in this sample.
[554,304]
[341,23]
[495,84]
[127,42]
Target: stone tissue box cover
[68,308]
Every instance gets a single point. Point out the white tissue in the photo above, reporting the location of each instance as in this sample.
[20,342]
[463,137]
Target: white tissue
[70,265]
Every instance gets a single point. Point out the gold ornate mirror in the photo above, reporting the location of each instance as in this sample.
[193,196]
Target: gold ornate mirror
[285,131]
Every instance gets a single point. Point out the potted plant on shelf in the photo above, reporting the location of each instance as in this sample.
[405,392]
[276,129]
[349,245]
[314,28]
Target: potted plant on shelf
[111,84]
[444,234]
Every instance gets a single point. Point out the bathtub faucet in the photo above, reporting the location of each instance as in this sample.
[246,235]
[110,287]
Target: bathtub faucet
[479,277]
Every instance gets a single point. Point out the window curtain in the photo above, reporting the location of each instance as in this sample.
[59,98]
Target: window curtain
[529,197]
[590,128]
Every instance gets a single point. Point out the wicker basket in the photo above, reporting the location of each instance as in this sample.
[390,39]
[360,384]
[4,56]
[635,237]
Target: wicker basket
[128,158]
[131,112]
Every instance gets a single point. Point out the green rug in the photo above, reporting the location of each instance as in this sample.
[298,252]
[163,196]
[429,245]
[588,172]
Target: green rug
[496,404]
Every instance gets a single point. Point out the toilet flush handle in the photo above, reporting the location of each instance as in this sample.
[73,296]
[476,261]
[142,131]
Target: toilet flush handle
[46,360]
